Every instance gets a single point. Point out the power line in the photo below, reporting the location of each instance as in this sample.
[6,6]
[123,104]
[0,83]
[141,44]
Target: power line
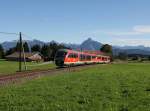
[25,35]
[9,33]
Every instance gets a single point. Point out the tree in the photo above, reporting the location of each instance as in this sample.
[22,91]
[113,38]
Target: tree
[49,51]
[106,48]
[122,56]
[10,51]
[149,58]
[26,47]
[14,49]
[36,48]
[1,52]
[46,52]
[136,58]
[17,48]
[54,48]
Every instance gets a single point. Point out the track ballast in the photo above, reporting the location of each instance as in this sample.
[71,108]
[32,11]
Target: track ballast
[27,75]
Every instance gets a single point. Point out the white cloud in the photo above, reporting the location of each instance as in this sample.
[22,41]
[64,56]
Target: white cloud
[142,28]
[136,35]
[123,33]
[131,42]
[136,30]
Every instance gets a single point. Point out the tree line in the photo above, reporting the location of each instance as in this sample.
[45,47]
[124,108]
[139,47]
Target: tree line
[48,51]
[123,56]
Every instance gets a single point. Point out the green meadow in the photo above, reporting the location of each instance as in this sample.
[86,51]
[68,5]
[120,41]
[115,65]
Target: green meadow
[108,87]
[10,67]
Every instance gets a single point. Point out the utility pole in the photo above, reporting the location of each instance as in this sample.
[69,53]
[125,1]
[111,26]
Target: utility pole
[20,51]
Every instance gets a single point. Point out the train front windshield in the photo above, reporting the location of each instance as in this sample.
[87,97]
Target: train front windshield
[61,54]
[60,57]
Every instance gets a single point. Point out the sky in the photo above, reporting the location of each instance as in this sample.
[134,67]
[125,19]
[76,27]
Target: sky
[117,22]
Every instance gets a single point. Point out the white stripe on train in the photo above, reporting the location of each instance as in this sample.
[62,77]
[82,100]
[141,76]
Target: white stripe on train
[83,62]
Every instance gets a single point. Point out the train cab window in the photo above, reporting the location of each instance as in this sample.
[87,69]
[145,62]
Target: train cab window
[61,54]
[71,55]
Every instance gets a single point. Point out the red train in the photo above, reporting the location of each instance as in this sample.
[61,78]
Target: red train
[66,57]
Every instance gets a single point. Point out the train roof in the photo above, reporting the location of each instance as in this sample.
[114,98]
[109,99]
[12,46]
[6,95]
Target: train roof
[91,52]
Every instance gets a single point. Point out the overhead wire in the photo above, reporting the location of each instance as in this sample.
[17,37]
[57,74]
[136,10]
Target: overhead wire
[9,33]
[37,64]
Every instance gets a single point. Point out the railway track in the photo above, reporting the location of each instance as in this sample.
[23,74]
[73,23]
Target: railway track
[22,76]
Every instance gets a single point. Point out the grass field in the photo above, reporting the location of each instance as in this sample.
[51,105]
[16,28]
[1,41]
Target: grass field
[10,67]
[113,87]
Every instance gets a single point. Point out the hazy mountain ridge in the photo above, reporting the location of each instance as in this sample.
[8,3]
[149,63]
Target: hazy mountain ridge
[88,44]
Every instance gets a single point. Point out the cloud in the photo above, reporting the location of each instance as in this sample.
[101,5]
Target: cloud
[142,28]
[123,33]
[131,42]
[136,35]
[135,30]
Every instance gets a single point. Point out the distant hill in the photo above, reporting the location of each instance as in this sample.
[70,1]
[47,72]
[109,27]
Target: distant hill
[88,44]
[7,45]
[116,51]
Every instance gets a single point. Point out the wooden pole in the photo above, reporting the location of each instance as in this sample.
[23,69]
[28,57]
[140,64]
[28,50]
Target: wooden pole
[20,51]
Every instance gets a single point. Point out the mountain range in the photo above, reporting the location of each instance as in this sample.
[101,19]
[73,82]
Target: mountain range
[88,44]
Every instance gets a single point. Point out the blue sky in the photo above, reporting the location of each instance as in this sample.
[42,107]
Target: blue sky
[117,22]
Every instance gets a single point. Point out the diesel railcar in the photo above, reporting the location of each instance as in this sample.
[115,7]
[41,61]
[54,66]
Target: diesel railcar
[66,57]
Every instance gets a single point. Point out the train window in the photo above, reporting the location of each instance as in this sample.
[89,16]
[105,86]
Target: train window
[75,55]
[82,57]
[99,58]
[93,57]
[88,57]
